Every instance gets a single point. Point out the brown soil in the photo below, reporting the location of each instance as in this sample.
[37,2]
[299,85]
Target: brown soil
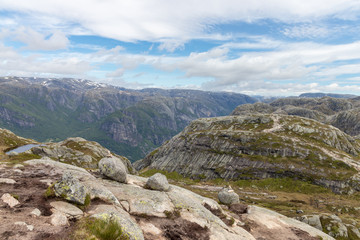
[261,232]
[238,208]
[176,229]
[30,192]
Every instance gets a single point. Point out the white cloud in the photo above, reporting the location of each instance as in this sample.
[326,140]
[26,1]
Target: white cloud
[307,31]
[162,20]
[286,62]
[13,63]
[171,45]
[37,41]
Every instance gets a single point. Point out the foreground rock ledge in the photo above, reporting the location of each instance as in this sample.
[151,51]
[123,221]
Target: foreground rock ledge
[149,214]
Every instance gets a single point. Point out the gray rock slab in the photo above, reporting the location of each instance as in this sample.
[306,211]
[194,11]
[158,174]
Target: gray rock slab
[67,208]
[58,165]
[141,201]
[279,225]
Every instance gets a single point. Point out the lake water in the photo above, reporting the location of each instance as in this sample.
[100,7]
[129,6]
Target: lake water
[23,148]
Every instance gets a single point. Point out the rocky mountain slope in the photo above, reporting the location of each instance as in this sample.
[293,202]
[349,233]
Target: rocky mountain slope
[48,199]
[262,146]
[128,122]
[341,113]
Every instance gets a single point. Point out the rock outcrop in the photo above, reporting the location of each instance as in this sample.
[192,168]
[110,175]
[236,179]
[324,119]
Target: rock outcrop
[261,146]
[139,212]
[332,225]
[341,113]
[79,152]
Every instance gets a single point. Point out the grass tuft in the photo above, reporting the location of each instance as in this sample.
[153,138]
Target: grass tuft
[94,228]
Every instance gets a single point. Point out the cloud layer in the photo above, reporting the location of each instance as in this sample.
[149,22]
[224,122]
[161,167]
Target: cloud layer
[257,47]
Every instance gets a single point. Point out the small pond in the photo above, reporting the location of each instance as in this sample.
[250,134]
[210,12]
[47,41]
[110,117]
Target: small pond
[23,148]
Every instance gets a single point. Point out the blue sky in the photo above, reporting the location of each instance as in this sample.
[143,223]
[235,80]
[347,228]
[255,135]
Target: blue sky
[259,47]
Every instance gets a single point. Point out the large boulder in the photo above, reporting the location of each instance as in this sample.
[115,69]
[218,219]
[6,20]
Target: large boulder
[71,189]
[113,168]
[227,196]
[158,182]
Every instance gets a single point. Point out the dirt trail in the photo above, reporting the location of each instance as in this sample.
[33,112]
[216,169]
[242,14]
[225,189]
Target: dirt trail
[276,125]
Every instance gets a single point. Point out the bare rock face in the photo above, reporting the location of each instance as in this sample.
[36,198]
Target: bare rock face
[227,196]
[261,146]
[113,168]
[140,212]
[158,182]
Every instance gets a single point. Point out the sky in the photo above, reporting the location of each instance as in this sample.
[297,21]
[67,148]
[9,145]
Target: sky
[257,47]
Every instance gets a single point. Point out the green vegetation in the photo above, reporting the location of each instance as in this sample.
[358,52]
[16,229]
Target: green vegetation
[50,193]
[87,202]
[21,157]
[98,229]
[16,196]
[172,214]
[282,184]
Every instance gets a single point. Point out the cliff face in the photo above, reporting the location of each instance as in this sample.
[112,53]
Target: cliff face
[128,122]
[261,146]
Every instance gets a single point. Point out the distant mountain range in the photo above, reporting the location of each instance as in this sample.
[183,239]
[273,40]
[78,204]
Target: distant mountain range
[334,95]
[128,122]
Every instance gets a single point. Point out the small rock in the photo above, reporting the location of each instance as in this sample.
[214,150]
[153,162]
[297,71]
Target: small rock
[10,200]
[59,219]
[227,196]
[29,227]
[36,213]
[7,180]
[158,182]
[67,208]
[18,166]
[18,171]
[299,211]
[113,168]
[47,181]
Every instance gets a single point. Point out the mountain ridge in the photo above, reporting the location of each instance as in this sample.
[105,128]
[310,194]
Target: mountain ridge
[45,109]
